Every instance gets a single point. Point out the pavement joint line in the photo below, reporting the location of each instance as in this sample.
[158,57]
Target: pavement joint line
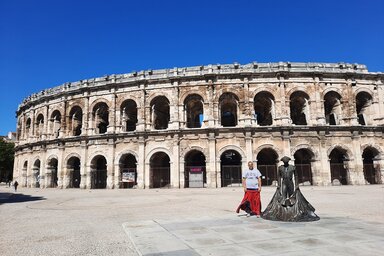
[137,251]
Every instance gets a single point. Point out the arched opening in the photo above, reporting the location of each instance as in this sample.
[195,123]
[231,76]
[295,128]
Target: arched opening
[27,128]
[98,172]
[160,171]
[160,113]
[75,122]
[194,110]
[36,173]
[363,108]
[55,123]
[228,103]
[264,104]
[100,116]
[338,163]
[230,163]
[194,170]
[299,106]
[332,108]
[52,170]
[267,165]
[303,158]
[371,167]
[128,172]
[128,115]
[73,167]
[39,125]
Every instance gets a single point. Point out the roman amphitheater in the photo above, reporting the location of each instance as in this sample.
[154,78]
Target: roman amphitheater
[199,126]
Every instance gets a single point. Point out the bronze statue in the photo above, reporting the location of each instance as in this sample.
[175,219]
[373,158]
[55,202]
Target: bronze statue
[288,204]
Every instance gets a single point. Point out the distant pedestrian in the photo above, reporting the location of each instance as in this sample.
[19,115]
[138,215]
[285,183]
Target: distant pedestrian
[15,185]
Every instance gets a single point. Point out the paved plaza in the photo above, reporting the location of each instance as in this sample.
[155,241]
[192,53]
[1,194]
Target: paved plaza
[185,222]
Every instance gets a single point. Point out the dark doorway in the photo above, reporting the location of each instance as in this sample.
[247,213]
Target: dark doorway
[195,164]
[267,165]
[160,171]
[303,159]
[338,157]
[73,166]
[99,172]
[128,172]
[371,175]
[230,168]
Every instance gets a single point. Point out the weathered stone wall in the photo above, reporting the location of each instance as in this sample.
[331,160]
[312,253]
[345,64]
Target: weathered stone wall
[331,113]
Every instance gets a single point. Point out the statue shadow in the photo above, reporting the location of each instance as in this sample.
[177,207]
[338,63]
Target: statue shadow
[9,198]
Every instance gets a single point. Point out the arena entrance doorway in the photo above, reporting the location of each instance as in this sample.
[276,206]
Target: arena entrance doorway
[128,173]
[160,171]
[338,160]
[98,172]
[73,167]
[371,174]
[267,165]
[195,169]
[230,168]
[303,158]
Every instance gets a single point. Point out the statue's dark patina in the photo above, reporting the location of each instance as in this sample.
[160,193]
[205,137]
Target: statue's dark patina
[288,204]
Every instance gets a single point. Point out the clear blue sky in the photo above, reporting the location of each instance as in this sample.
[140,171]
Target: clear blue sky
[46,43]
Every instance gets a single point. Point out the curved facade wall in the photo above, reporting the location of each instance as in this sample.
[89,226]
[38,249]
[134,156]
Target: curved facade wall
[199,126]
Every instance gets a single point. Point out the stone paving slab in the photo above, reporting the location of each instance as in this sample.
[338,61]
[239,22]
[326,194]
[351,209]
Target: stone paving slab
[234,235]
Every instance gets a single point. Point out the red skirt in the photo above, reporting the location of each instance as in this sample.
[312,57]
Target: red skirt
[251,202]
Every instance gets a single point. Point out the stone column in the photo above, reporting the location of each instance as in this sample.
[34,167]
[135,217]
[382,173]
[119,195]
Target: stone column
[286,137]
[175,171]
[64,120]
[324,176]
[141,111]
[316,172]
[182,173]
[246,117]
[248,146]
[174,108]
[356,174]
[87,177]
[211,163]
[112,115]
[111,165]
[210,106]
[33,124]
[117,177]
[283,108]
[142,172]
[319,104]
[85,169]
[86,128]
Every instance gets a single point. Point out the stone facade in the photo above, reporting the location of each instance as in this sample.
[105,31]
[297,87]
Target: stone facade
[159,128]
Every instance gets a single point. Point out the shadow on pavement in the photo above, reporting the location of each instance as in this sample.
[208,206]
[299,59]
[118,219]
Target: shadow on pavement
[8,198]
